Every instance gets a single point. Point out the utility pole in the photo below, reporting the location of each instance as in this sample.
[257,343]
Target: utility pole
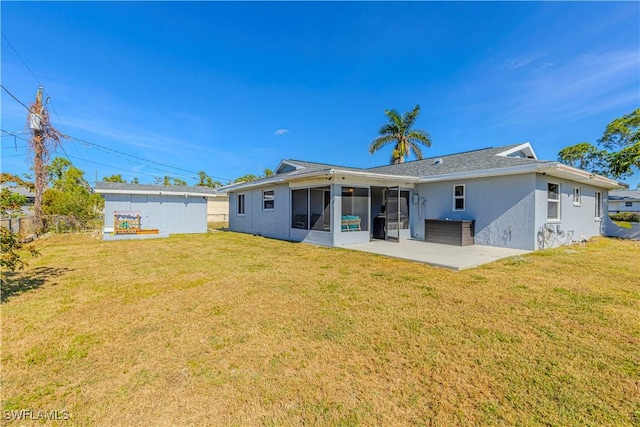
[37,144]
[44,138]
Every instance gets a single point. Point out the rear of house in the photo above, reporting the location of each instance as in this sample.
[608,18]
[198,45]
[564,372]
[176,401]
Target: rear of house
[504,196]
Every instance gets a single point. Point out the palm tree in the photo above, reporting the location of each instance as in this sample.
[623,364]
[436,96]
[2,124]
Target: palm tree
[399,131]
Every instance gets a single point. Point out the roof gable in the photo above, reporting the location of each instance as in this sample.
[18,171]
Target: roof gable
[523,151]
[287,166]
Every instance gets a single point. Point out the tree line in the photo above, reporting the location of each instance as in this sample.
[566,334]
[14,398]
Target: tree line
[617,153]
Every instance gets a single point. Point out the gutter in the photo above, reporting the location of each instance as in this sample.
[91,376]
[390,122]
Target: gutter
[374,175]
[514,170]
[546,167]
[588,175]
[156,193]
[321,173]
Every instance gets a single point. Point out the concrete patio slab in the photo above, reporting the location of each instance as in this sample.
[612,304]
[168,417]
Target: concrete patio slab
[446,256]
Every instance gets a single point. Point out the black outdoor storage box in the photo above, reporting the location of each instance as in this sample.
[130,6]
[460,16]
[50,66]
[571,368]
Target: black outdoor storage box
[449,231]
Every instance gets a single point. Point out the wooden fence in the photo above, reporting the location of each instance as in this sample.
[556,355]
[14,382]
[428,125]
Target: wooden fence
[21,226]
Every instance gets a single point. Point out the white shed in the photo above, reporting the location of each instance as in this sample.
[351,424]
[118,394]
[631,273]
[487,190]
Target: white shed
[168,209]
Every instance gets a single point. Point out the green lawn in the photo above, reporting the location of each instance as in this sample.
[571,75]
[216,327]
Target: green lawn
[233,329]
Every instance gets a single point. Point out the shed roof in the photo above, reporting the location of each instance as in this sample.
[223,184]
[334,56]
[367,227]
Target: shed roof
[104,187]
[625,195]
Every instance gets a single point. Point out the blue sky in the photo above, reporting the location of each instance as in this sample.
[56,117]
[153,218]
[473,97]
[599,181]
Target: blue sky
[231,88]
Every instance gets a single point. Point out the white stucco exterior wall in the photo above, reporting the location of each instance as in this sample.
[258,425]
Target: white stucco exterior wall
[272,223]
[502,207]
[581,219]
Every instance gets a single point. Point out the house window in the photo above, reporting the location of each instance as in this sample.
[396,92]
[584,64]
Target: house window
[458,197]
[240,204]
[577,199]
[553,201]
[628,204]
[598,205]
[268,199]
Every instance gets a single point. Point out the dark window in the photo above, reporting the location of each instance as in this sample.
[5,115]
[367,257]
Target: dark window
[458,197]
[240,204]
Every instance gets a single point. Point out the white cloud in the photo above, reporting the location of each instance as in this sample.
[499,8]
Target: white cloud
[551,88]
[516,63]
[281,131]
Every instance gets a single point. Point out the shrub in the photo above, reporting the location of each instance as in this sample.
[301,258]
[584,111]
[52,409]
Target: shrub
[626,216]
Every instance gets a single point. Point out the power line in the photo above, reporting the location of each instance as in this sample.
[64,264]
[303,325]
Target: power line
[86,142]
[141,158]
[13,96]
[23,61]
[14,132]
[15,147]
[14,135]
[56,113]
[115,167]
[37,80]
[110,149]
[102,164]
[131,155]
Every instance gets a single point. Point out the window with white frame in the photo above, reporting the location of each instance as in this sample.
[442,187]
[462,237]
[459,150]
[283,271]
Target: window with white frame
[240,204]
[268,199]
[577,197]
[598,205]
[553,201]
[458,197]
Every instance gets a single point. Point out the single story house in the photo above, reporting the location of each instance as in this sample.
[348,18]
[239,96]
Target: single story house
[168,209]
[503,196]
[624,201]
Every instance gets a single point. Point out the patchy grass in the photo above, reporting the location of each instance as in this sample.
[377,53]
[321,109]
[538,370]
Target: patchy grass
[218,225]
[232,329]
[623,224]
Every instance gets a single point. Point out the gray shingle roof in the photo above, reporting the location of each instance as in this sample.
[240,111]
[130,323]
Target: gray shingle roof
[476,160]
[313,166]
[624,195]
[468,161]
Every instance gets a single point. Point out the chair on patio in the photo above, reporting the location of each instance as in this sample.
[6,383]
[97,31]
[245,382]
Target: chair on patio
[351,223]
[300,221]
